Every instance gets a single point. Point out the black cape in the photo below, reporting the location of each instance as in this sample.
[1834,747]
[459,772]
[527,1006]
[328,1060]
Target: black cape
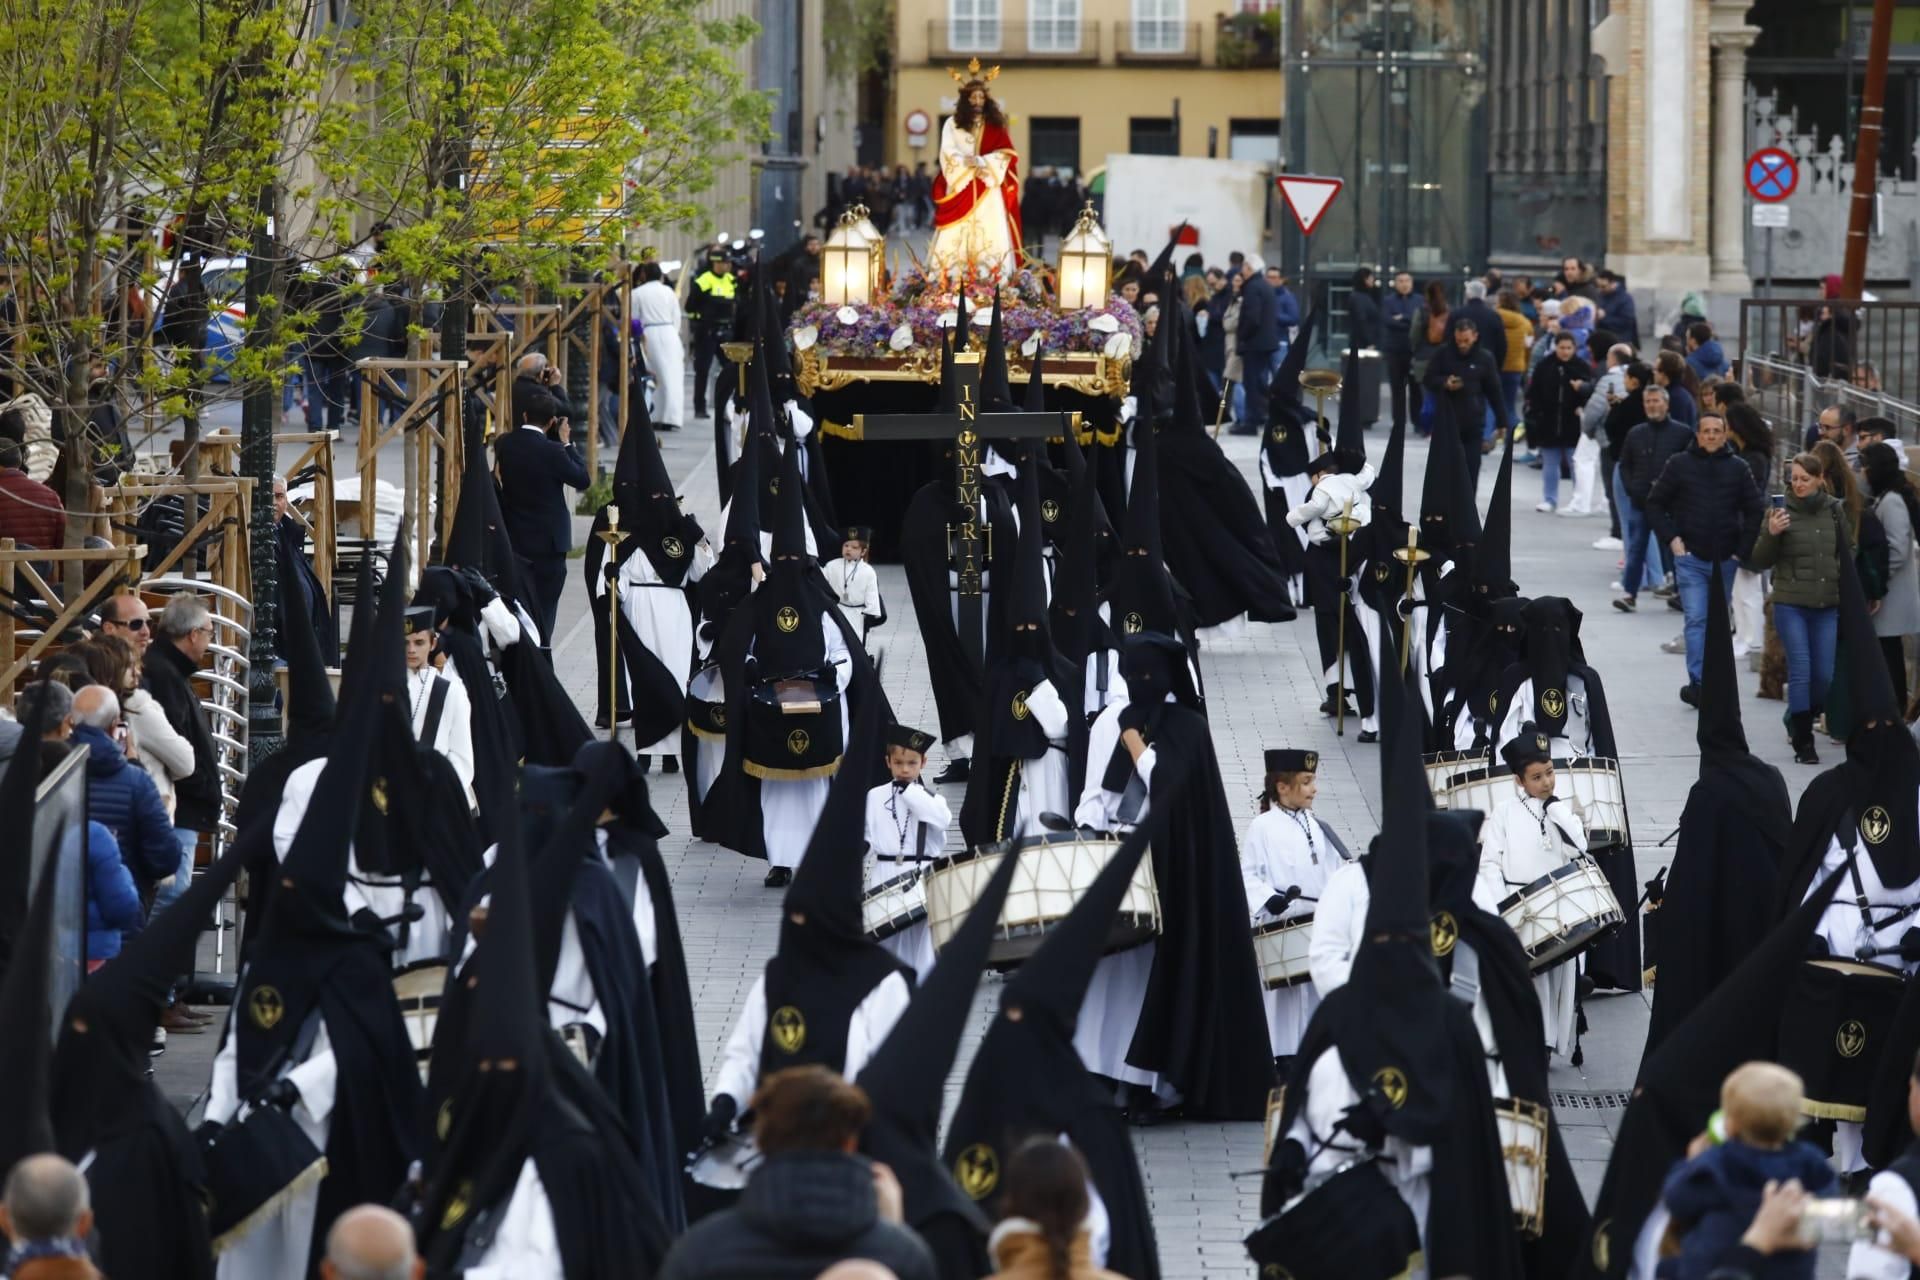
[958,684]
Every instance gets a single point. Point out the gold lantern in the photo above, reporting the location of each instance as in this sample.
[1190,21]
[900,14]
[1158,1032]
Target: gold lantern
[1086,263]
[846,264]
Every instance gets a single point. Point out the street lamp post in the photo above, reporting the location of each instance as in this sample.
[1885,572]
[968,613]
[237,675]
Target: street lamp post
[259,460]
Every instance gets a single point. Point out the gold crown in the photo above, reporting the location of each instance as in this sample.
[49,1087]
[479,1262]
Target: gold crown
[974,72]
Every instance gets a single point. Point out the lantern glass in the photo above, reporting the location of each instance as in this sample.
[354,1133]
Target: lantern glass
[846,268]
[1086,260]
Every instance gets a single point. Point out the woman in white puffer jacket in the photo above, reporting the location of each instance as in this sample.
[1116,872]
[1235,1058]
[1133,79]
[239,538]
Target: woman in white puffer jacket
[152,741]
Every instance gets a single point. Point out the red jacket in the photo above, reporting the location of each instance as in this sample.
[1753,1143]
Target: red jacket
[30,512]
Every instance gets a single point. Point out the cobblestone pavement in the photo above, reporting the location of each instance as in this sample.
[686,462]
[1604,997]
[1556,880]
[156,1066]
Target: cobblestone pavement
[1261,692]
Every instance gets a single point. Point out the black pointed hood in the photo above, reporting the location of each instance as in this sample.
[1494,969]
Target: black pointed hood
[1883,763]
[1028,597]
[1188,417]
[26,1127]
[948,398]
[18,791]
[1036,398]
[1143,592]
[1493,554]
[790,520]
[1718,729]
[744,518]
[101,1060]
[1552,648]
[468,541]
[1286,388]
[310,702]
[788,640]
[1152,383]
[831,879]
[905,1080]
[996,381]
[366,607]
[1448,518]
[1388,485]
[639,472]
[1350,440]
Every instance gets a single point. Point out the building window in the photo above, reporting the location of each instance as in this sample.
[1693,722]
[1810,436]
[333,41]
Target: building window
[1053,26]
[1159,26]
[1153,136]
[1254,140]
[1054,142]
[975,25]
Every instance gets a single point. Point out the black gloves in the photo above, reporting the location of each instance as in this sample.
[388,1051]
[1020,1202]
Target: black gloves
[1277,903]
[1362,1120]
[719,1118]
[281,1093]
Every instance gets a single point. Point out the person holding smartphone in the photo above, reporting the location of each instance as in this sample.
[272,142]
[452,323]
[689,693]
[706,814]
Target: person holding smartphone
[1798,542]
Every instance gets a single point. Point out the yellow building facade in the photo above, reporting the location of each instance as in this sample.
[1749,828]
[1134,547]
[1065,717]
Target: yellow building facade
[1083,79]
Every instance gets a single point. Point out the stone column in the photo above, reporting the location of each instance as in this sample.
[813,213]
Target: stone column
[1730,46]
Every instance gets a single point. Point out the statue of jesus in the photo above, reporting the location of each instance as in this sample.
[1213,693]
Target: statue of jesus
[976,194]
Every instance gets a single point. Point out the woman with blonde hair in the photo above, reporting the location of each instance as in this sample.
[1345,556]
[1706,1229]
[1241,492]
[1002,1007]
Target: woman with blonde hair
[1044,1233]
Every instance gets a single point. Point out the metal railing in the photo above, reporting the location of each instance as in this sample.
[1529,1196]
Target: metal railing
[1067,40]
[1873,346]
[1791,396]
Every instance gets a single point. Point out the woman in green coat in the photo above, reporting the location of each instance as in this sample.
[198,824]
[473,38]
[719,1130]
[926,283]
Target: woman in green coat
[1798,541]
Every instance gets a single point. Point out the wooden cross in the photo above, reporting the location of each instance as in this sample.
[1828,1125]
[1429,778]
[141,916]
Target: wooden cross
[968,540]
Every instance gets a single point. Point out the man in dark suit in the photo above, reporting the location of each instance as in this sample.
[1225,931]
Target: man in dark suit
[537,463]
[1466,376]
[1257,339]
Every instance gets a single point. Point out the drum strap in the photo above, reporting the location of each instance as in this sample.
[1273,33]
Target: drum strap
[436,706]
[1100,674]
[1465,985]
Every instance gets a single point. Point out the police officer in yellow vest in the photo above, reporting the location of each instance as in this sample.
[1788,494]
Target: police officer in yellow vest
[710,310]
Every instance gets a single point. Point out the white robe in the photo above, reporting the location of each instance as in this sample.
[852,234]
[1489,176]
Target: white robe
[1341,921]
[1284,849]
[709,753]
[645,922]
[1575,739]
[663,620]
[454,738]
[1514,852]
[858,589]
[895,823]
[789,810]
[427,937]
[280,1244]
[1295,488]
[873,1018]
[526,1245]
[657,311]
[983,238]
[1044,784]
[1096,698]
[1110,1012]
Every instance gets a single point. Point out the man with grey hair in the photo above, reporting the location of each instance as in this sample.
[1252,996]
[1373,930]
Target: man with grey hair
[120,795]
[182,634]
[1257,341]
[533,374]
[1493,331]
[1610,390]
[371,1243]
[46,1216]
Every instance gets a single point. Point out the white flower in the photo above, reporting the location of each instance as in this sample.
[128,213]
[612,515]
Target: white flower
[1118,345]
[982,319]
[948,319]
[805,337]
[901,338]
[847,315]
[1031,345]
[1104,323]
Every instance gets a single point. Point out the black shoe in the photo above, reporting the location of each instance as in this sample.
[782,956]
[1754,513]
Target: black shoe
[669,764]
[667,426]
[1368,735]
[700,411]
[1329,708]
[1626,604]
[1673,603]
[778,878]
[956,771]
[1690,694]
[645,763]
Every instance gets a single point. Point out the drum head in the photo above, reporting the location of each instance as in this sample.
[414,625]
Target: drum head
[426,978]
[726,1165]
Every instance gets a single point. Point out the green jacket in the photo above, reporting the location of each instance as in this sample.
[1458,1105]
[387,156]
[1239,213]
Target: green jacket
[1804,559]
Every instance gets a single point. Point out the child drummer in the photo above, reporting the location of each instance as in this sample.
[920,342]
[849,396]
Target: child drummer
[907,825]
[1533,835]
[857,589]
[1284,863]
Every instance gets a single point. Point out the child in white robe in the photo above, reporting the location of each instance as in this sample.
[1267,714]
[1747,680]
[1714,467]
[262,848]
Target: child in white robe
[857,587]
[907,823]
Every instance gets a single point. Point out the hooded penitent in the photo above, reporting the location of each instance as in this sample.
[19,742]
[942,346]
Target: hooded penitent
[1720,890]
[1027,1078]
[1291,426]
[25,995]
[1449,521]
[147,1183]
[17,788]
[1493,556]
[1350,439]
[1142,597]
[905,1081]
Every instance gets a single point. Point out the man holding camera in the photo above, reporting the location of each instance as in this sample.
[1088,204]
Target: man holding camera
[537,464]
[533,375]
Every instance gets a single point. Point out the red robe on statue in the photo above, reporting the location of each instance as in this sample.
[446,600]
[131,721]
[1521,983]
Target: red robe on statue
[953,205]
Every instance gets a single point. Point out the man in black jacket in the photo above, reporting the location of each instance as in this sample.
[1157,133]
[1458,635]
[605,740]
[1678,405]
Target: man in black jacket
[1643,455]
[1706,508]
[1467,375]
[1257,340]
[537,463]
[1396,326]
[812,1202]
[534,376]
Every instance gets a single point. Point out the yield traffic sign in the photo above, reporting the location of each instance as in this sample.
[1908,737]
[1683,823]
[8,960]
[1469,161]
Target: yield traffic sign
[1308,197]
[1772,174]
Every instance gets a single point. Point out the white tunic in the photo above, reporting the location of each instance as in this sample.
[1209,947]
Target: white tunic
[663,620]
[657,311]
[279,1245]
[526,1246]
[789,810]
[1044,784]
[454,737]
[1341,921]
[1287,848]
[1573,741]
[858,589]
[383,895]
[1520,843]
[709,753]
[1295,488]
[1103,666]
[873,1018]
[906,828]
[983,238]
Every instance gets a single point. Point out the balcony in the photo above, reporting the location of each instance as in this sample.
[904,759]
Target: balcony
[1157,42]
[1023,42]
[1247,41]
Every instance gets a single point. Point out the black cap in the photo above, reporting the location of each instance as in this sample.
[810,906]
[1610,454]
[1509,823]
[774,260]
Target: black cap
[419,617]
[858,533]
[900,735]
[1529,747]
[1292,760]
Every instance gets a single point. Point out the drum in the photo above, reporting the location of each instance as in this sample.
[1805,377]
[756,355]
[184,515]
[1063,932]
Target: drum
[793,728]
[1590,784]
[1276,1112]
[1444,766]
[1281,947]
[1523,1148]
[252,1167]
[894,905]
[1836,1018]
[1354,1205]
[707,705]
[417,989]
[1055,869]
[724,1164]
[1562,913]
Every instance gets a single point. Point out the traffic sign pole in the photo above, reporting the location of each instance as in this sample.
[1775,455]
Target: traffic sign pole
[1771,175]
[1308,198]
